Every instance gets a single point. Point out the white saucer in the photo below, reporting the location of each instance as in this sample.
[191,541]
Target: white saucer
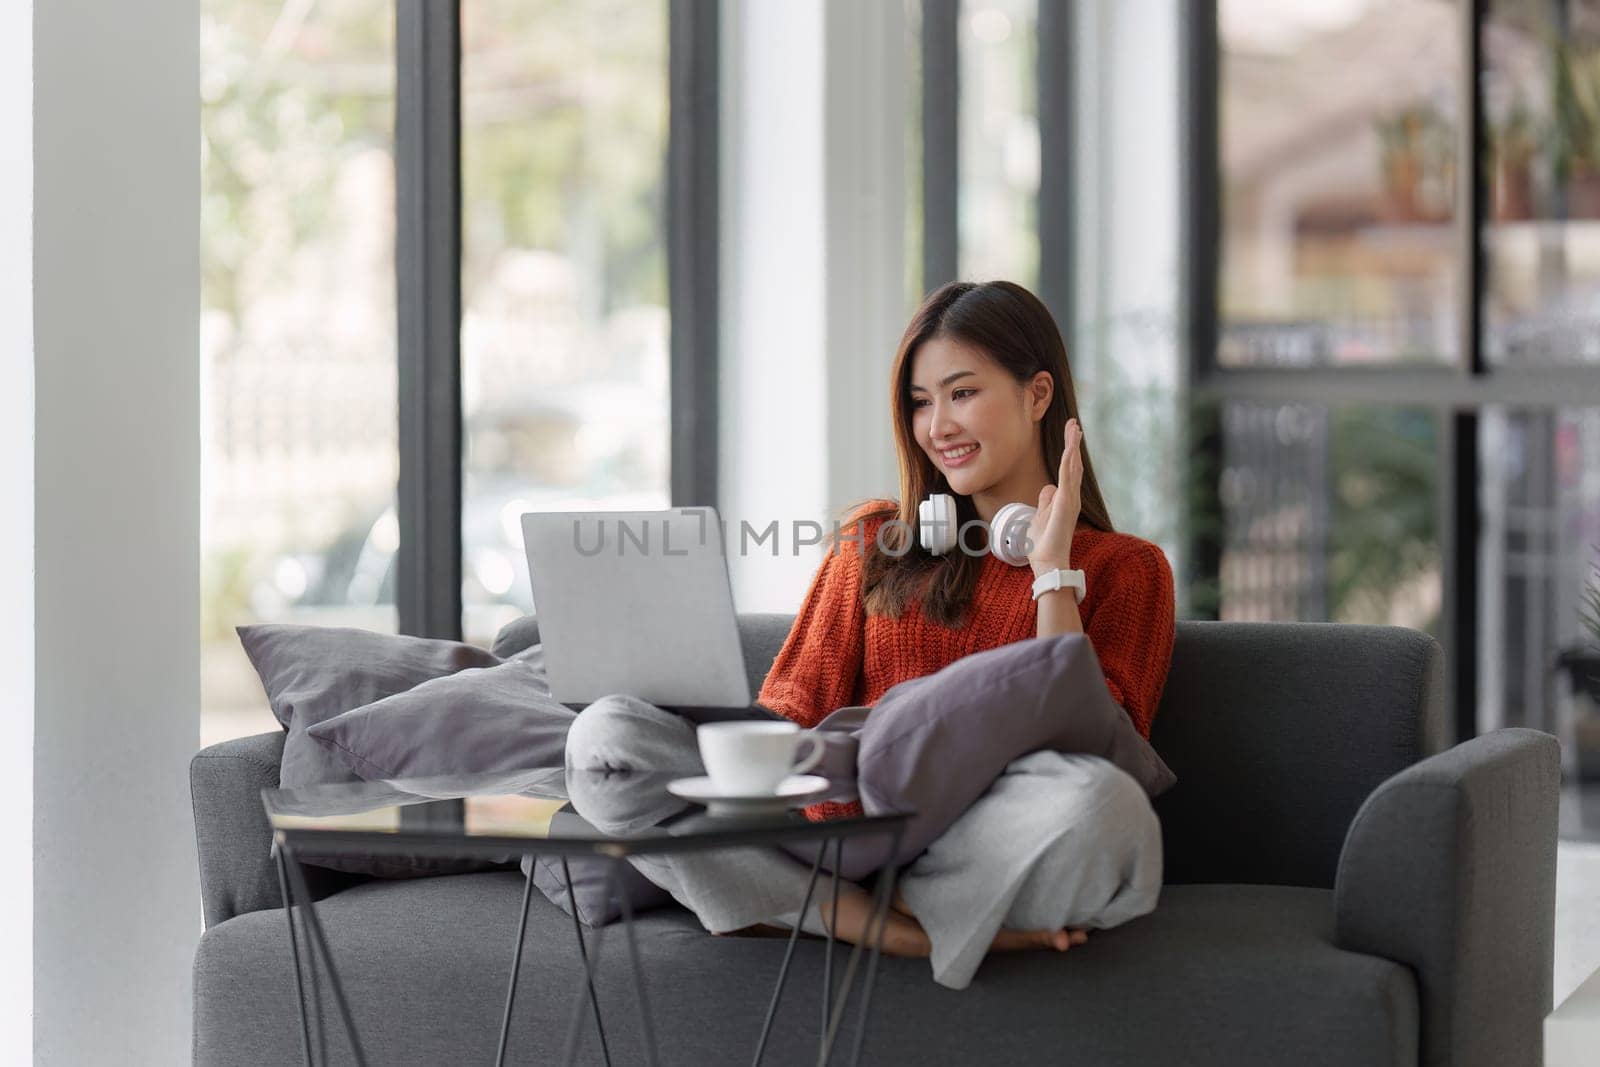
[792,792]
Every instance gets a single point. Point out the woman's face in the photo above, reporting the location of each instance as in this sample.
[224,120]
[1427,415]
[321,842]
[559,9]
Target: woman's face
[970,416]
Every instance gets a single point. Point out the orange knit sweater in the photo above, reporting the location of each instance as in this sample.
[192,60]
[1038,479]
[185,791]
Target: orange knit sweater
[837,655]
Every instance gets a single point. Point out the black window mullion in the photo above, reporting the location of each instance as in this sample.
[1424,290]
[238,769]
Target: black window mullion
[1199,259]
[941,166]
[1461,504]
[1057,186]
[692,234]
[427,148]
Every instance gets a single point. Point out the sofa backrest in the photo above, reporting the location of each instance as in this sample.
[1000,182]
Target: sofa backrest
[1277,732]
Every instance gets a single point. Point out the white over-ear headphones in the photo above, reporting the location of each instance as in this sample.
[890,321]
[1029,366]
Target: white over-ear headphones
[938,532]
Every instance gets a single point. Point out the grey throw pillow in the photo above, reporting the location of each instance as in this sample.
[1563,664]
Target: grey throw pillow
[477,721]
[933,745]
[313,673]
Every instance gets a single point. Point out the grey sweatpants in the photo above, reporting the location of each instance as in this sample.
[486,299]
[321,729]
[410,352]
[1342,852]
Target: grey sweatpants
[1058,840]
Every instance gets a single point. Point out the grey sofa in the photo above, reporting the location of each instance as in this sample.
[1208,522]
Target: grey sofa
[1340,889]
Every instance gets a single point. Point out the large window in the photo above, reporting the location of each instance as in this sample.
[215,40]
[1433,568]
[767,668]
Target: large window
[1339,125]
[297,352]
[1405,330]
[565,322]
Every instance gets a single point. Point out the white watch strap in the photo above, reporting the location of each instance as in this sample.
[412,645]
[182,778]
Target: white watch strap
[1050,581]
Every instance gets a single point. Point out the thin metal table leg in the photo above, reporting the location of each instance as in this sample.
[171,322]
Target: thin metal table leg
[872,962]
[294,951]
[516,965]
[879,922]
[321,944]
[638,976]
[590,961]
[577,931]
[788,954]
[833,924]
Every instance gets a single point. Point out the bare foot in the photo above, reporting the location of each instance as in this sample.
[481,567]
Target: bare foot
[1060,940]
[1012,940]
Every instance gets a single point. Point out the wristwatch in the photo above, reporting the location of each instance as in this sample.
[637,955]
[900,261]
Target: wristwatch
[1050,581]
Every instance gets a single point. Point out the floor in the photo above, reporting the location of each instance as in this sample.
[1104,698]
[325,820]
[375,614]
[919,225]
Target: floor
[1577,914]
[1577,889]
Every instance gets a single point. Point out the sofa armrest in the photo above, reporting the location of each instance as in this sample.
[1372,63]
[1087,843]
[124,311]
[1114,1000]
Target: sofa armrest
[1449,867]
[232,836]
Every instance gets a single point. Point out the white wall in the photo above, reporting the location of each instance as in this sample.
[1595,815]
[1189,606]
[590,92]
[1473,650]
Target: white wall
[812,220]
[115,296]
[16,525]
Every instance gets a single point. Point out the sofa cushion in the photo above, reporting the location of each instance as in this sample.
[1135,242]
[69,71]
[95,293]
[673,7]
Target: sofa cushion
[1225,975]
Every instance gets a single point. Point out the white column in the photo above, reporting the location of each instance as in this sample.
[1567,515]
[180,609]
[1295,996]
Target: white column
[813,236]
[865,175]
[1126,346]
[773,445]
[16,526]
[114,285]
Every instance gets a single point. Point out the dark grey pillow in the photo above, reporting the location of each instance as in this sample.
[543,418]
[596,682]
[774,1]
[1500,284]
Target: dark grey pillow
[477,721]
[313,673]
[933,745]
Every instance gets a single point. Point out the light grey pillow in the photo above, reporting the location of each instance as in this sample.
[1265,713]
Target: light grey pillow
[313,673]
[477,721]
[933,745]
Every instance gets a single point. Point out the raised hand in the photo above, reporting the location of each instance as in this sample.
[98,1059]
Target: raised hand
[1059,505]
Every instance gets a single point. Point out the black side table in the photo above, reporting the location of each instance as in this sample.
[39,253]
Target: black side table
[503,818]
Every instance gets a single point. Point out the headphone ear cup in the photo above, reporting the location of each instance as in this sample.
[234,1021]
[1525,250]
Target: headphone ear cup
[1008,533]
[936,523]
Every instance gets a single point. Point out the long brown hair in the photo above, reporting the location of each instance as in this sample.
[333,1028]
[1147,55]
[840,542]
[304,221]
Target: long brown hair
[1016,330]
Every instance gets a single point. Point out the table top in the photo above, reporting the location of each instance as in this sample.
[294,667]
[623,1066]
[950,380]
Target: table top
[506,815]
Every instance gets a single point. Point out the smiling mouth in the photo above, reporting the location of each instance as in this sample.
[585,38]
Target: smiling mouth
[958,456]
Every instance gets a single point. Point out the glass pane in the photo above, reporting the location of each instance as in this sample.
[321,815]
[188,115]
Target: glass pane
[998,184]
[1338,131]
[1540,554]
[1541,86]
[564,334]
[297,345]
[1329,515]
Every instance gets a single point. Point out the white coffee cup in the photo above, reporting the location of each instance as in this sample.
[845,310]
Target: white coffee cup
[752,758]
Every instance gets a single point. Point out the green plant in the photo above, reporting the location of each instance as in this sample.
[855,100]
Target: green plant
[1515,137]
[1417,159]
[1382,531]
[1575,94]
[1589,613]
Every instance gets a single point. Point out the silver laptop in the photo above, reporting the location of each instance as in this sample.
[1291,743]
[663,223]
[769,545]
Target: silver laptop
[639,602]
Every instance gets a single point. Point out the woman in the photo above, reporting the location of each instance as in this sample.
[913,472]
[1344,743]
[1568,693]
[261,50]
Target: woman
[984,410]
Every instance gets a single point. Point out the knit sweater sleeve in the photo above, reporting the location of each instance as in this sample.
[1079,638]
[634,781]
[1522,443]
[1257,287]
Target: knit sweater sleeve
[816,670]
[1132,629]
